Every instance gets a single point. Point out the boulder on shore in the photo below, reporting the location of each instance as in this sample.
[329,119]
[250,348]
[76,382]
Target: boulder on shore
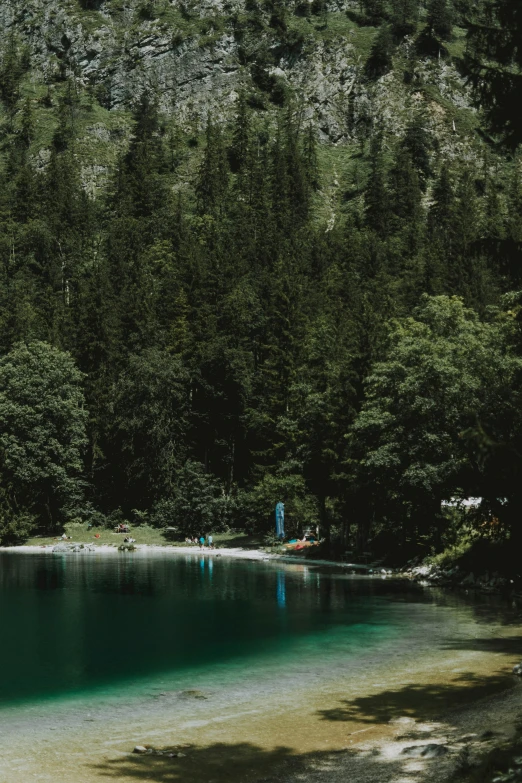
[65,548]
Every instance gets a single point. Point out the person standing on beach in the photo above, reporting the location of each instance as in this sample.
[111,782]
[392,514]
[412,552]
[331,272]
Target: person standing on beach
[210,541]
[201,542]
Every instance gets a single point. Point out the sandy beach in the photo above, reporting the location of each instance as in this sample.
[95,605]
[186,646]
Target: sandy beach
[368,734]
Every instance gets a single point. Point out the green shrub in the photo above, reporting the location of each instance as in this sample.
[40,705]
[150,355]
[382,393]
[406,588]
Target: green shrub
[15,526]
[198,504]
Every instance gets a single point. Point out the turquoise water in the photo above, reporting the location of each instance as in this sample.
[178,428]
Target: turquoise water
[74,623]
[71,624]
[125,624]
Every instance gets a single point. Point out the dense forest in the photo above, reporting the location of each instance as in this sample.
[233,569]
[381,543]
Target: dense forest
[198,338]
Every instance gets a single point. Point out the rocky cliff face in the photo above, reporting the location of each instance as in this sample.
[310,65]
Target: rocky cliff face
[198,55]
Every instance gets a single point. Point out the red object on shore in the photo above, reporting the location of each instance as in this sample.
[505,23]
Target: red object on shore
[96,535]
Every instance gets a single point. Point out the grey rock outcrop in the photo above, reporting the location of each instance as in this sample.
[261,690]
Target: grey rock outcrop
[193,56]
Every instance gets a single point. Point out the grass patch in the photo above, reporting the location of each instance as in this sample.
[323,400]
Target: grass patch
[457,46]
[80,533]
[337,25]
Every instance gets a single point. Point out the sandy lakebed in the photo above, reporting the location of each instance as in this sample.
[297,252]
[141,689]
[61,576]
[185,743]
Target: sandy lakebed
[399,716]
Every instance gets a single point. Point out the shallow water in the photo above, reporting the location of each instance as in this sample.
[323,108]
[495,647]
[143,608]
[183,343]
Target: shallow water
[164,647]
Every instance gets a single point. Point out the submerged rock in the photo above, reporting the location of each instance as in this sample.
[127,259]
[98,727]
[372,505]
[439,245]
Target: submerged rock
[430,751]
[193,694]
[518,669]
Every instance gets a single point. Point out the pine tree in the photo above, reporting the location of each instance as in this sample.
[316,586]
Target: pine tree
[466,226]
[139,218]
[406,200]
[418,142]
[310,161]
[494,227]
[240,135]
[404,16]
[439,20]
[297,168]
[494,63]
[213,173]
[443,203]
[374,10]
[13,64]
[377,201]
[515,201]
[139,187]
[441,247]
[380,60]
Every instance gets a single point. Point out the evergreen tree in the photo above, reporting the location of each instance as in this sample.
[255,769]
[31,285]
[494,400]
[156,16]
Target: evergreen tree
[406,200]
[380,60]
[139,202]
[494,61]
[377,199]
[150,426]
[404,16]
[441,232]
[14,62]
[240,136]
[374,10]
[310,161]
[439,21]
[213,173]
[418,142]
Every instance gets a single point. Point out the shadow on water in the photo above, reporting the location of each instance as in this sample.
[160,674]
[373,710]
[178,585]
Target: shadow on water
[421,702]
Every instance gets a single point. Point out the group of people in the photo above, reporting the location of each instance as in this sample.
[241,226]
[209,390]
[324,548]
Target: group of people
[201,541]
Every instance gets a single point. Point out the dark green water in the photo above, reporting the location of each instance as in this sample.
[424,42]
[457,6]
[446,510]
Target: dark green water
[78,624]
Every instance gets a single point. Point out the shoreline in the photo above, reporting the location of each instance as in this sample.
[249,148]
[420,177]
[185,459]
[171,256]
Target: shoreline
[237,553]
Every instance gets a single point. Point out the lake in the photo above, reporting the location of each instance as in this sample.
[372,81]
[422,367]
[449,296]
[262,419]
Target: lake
[100,652]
